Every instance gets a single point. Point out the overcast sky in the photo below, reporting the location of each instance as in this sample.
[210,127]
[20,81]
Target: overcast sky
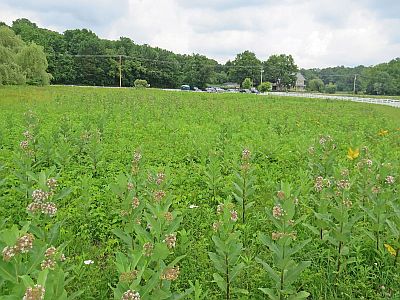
[318,33]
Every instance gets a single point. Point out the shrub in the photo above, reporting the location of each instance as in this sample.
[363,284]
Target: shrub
[330,88]
[140,83]
[316,85]
[265,87]
[247,83]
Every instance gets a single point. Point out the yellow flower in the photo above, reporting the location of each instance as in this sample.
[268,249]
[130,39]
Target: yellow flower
[383,132]
[390,249]
[352,154]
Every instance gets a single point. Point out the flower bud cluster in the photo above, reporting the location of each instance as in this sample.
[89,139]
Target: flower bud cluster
[323,140]
[50,258]
[277,211]
[170,274]
[168,216]
[246,154]
[130,295]
[389,179]
[234,215]
[52,184]
[320,183]
[135,162]
[281,195]
[26,144]
[128,277]
[245,166]
[216,225]
[220,208]
[347,203]
[34,293]
[343,184]
[135,202]
[170,240]
[278,235]
[40,200]
[148,249]
[160,178]
[23,245]
[159,195]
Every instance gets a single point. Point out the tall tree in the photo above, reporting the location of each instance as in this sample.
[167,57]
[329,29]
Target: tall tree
[245,65]
[34,64]
[198,70]
[281,70]
[21,63]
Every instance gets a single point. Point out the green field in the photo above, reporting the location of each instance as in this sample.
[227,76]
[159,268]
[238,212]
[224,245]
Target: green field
[86,139]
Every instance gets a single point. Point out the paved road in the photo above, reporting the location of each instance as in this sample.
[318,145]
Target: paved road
[390,102]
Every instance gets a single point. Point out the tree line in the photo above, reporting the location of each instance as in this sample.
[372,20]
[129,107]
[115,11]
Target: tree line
[381,79]
[80,57]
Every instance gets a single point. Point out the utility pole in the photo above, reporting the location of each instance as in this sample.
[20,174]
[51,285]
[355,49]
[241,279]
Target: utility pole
[354,83]
[261,73]
[120,71]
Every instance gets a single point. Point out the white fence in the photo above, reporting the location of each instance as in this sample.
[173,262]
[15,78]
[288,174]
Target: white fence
[390,102]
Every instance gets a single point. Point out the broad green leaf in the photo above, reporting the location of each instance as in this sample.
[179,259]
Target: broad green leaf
[28,282]
[220,282]
[299,296]
[270,293]
[161,251]
[274,275]
[298,247]
[294,273]
[42,277]
[126,238]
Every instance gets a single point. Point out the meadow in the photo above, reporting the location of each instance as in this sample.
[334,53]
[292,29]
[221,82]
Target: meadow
[174,195]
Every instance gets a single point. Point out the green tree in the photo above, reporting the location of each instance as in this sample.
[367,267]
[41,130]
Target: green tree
[34,64]
[10,72]
[382,79]
[265,87]
[198,70]
[315,85]
[330,88]
[245,65]
[247,83]
[281,70]
[9,40]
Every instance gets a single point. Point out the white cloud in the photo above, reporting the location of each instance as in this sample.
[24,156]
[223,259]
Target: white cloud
[317,33]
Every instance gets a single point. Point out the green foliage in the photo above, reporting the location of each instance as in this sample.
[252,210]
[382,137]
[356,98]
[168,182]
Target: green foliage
[265,87]
[34,63]
[163,68]
[226,258]
[247,83]
[213,176]
[198,70]
[382,79]
[140,83]
[20,63]
[9,40]
[288,271]
[316,85]
[280,69]
[148,234]
[245,65]
[330,88]
[84,137]
[244,183]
